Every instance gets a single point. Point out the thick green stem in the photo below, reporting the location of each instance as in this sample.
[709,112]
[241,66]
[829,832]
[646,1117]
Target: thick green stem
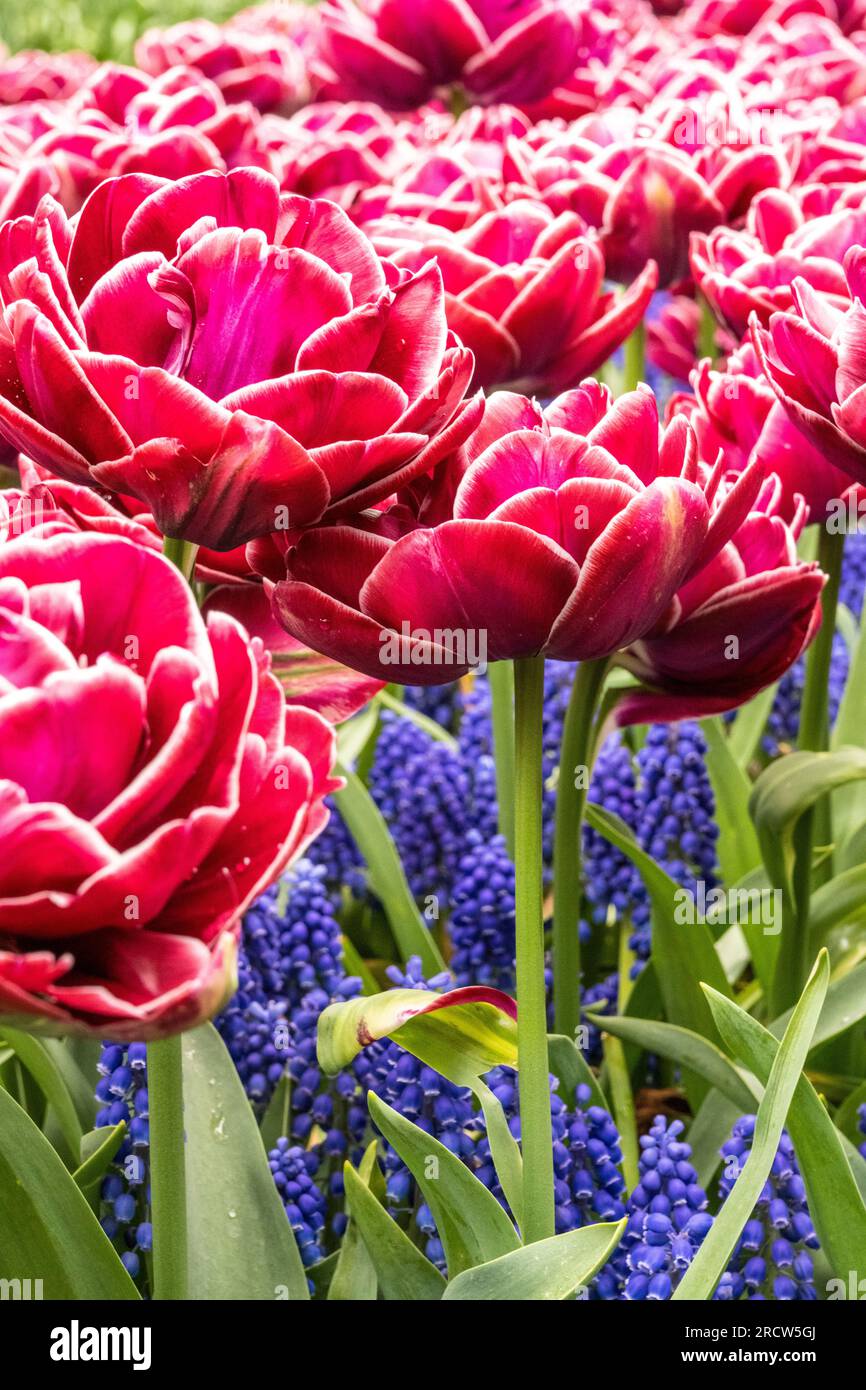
[706,331]
[533,1068]
[181,553]
[575,765]
[793,964]
[635,352]
[501,678]
[167,1171]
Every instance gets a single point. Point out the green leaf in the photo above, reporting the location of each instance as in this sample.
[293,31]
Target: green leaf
[241,1245]
[48,1231]
[749,725]
[354,1279]
[548,1270]
[462,1033]
[354,734]
[402,1271]
[276,1121]
[472,1225]
[41,1062]
[98,1148]
[571,1070]
[702,1276]
[689,1049]
[504,1149]
[684,956]
[825,1157]
[786,790]
[849,806]
[738,849]
[844,1006]
[841,900]
[385,872]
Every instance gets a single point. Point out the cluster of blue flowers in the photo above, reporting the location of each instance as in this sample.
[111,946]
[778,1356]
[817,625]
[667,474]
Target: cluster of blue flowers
[772,1254]
[295,1171]
[290,947]
[121,1094]
[481,925]
[667,1220]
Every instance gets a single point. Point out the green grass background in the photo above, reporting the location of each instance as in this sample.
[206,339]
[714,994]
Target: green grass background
[105,28]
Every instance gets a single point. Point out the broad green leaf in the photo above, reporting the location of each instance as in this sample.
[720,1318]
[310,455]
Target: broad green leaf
[241,1245]
[843,899]
[689,1049]
[98,1148]
[354,734]
[825,1157]
[403,1273]
[462,1033]
[749,725]
[548,1270]
[844,1006]
[569,1066]
[849,806]
[47,1230]
[684,955]
[702,1276]
[504,1149]
[472,1225]
[354,1279]
[276,1121]
[738,849]
[786,790]
[385,872]
[41,1062]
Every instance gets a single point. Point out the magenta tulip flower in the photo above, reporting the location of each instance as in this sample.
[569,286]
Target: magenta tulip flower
[524,290]
[398,52]
[735,414]
[239,360]
[739,623]
[152,783]
[567,533]
[267,70]
[813,358]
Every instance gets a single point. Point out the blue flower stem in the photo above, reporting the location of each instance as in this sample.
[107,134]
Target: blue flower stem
[533,1068]
[501,678]
[182,554]
[794,963]
[634,366]
[575,765]
[167,1167]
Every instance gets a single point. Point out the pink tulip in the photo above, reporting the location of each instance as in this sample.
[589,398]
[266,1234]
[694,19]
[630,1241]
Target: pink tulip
[247,65]
[238,360]
[152,783]
[399,53]
[566,532]
[812,356]
[33,75]
[737,625]
[523,290]
[734,413]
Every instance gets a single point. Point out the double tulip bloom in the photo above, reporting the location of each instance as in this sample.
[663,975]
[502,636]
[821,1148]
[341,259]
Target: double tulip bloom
[567,533]
[813,358]
[398,52]
[524,289]
[239,360]
[153,782]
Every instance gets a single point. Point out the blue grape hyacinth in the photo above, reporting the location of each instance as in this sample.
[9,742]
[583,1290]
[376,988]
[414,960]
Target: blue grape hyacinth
[772,1257]
[121,1093]
[481,925]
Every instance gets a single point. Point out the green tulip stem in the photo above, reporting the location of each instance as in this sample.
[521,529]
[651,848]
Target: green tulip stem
[533,1068]
[167,1169]
[575,765]
[793,964]
[501,678]
[634,353]
[182,554]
